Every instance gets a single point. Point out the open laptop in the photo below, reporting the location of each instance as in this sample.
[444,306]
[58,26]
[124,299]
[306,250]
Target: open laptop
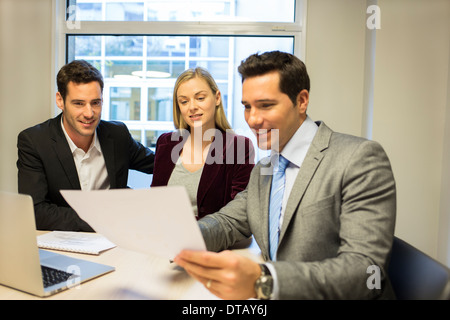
[23,265]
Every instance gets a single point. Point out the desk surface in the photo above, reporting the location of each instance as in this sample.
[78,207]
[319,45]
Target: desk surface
[137,276]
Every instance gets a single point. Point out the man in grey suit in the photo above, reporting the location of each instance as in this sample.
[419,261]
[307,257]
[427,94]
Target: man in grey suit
[333,237]
[76,150]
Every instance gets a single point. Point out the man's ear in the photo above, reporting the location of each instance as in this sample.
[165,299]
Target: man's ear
[303,101]
[59,101]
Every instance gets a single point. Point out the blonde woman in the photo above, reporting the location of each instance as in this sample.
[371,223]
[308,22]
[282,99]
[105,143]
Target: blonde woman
[203,154]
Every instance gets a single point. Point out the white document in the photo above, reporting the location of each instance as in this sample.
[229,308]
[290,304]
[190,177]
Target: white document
[157,221]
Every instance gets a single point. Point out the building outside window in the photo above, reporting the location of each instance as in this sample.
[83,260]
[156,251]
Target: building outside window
[142,46]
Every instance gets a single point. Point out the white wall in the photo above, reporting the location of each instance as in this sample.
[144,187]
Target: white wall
[25,76]
[335,62]
[444,217]
[410,108]
[411,101]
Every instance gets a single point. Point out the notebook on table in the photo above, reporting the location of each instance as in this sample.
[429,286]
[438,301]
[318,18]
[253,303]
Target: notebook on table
[23,265]
[80,242]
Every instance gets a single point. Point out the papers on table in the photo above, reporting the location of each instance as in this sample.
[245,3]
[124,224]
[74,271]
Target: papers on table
[157,221]
[81,242]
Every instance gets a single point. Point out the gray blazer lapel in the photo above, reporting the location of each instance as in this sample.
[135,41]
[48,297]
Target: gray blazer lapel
[310,164]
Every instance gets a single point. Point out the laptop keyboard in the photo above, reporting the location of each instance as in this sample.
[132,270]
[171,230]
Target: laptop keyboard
[53,276]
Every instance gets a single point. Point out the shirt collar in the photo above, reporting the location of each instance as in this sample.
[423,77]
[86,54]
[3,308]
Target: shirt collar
[297,147]
[94,145]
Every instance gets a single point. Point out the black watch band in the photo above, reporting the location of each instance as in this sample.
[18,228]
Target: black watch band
[264,284]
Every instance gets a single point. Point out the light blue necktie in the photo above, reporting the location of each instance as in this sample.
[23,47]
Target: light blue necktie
[276,199]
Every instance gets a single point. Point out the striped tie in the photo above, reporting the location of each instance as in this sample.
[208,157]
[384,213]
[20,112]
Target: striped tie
[276,199]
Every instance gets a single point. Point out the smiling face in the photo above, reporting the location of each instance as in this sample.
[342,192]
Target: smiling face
[197,103]
[270,113]
[81,111]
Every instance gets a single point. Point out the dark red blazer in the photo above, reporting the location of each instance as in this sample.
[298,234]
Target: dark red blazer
[225,173]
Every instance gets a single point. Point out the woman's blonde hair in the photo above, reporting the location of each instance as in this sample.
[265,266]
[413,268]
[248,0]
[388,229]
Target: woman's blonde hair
[220,118]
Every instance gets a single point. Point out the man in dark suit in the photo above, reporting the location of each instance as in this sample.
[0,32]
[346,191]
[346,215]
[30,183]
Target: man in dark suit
[76,150]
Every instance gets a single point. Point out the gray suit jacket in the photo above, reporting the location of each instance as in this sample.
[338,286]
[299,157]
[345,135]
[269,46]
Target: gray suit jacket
[339,221]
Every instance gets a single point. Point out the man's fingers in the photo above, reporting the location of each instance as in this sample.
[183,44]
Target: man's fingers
[203,258]
[225,274]
[198,271]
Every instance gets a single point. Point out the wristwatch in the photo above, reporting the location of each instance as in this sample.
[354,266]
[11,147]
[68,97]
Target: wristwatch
[264,284]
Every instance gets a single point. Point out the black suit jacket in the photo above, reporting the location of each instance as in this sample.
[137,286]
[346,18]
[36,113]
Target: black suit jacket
[46,166]
[226,172]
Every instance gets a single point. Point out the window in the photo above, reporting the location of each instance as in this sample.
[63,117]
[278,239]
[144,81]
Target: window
[182,10]
[142,46]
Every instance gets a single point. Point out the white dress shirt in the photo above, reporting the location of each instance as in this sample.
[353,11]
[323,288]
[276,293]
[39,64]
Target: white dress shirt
[91,167]
[295,151]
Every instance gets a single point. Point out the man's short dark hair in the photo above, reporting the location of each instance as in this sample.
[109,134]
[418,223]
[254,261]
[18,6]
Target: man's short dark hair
[293,74]
[77,71]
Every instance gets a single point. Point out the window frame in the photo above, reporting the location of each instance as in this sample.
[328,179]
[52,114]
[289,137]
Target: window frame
[62,29]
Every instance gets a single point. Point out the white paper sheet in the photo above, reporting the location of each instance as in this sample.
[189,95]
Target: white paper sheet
[157,221]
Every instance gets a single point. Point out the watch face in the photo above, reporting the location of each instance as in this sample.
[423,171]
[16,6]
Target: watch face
[264,284]
[264,287]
